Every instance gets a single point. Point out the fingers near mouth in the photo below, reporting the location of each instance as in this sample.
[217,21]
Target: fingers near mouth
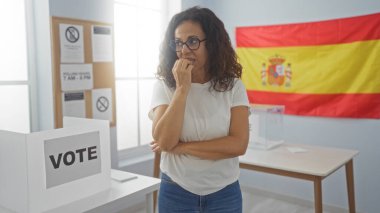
[191,62]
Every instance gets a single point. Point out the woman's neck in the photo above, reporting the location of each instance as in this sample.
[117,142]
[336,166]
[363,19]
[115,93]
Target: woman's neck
[200,77]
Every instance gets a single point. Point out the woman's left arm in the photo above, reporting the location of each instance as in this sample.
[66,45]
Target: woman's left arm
[235,144]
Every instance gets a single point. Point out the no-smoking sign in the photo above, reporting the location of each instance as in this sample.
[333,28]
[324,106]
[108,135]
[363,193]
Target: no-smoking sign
[72,34]
[102,104]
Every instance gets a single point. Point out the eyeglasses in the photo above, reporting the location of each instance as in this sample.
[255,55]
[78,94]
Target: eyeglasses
[192,43]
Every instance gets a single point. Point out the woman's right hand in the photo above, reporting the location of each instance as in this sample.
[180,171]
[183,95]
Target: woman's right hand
[168,119]
[182,73]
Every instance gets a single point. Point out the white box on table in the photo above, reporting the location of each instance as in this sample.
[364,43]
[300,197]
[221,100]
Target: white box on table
[266,128]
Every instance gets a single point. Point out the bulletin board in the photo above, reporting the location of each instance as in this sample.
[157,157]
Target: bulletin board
[83,70]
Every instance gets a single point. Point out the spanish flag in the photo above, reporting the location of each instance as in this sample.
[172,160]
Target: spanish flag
[326,68]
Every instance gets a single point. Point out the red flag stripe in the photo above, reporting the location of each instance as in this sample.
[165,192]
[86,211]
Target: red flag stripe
[337,31]
[330,105]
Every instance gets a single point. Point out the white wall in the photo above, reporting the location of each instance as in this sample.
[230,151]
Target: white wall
[359,134]
[40,65]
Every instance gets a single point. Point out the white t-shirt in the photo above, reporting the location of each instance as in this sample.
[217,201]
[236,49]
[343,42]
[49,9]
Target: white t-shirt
[207,116]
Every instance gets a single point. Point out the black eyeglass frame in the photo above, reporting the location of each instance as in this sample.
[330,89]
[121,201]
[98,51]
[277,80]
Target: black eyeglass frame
[173,44]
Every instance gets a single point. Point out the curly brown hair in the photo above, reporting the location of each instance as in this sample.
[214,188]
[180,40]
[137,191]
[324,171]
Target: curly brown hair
[223,66]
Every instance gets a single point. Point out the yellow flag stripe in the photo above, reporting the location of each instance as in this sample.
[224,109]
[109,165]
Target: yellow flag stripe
[326,69]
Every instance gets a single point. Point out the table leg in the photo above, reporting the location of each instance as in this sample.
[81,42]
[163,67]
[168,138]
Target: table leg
[350,186]
[156,174]
[318,194]
[149,203]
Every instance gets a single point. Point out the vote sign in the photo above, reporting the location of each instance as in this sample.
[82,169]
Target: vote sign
[71,158]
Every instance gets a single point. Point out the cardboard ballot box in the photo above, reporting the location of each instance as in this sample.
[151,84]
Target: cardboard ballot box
[44,170]
[266,126]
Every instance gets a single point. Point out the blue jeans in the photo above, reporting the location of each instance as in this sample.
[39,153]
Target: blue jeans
[172,199]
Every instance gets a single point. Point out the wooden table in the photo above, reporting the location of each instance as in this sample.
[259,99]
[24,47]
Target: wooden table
[312,163]
[114,199]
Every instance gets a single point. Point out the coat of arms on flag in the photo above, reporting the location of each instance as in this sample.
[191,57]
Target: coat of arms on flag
[276,73]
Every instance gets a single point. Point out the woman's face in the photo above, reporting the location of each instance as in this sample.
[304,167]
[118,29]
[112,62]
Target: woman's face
[187,31]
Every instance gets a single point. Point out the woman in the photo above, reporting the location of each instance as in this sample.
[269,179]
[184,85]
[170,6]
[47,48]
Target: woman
[200,116]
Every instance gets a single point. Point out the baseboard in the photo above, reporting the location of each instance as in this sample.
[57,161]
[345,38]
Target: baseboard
[293,200]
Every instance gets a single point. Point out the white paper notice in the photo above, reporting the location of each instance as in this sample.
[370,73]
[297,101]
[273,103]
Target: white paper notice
[73,104]
[296,149]
[102,104]
[71,40]
[121,176]
[76,77]
[102,50]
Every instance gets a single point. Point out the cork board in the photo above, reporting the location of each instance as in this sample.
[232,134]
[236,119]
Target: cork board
[103,75]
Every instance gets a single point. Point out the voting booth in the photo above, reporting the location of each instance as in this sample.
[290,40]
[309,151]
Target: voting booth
[44,170]
[266,128]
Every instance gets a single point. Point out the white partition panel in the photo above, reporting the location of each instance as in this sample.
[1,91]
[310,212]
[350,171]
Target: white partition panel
[13,171]
[44,170]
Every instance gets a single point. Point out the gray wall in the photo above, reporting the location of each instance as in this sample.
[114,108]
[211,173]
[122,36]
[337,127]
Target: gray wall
[359,134]
[93,10]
